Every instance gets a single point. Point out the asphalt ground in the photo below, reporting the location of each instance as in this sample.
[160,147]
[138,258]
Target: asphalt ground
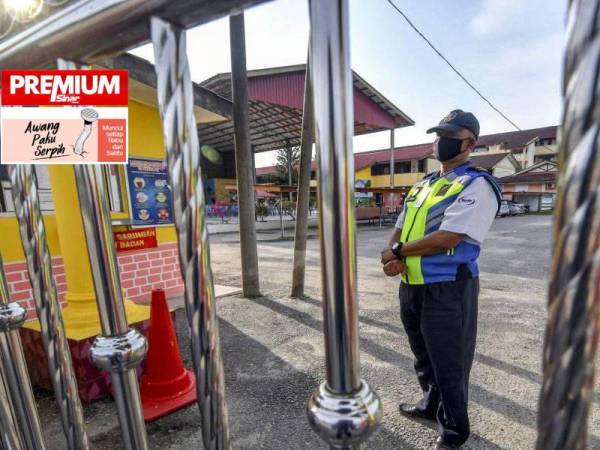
[274,357]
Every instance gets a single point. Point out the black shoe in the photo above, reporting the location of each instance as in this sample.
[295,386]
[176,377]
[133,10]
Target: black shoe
[441,445]
[414,412]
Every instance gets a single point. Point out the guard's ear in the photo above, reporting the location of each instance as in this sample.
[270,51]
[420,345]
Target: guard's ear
[470,145]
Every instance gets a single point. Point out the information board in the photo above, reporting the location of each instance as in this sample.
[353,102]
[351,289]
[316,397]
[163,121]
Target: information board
[150,199]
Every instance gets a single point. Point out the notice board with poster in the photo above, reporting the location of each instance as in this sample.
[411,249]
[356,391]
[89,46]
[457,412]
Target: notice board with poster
[150,199]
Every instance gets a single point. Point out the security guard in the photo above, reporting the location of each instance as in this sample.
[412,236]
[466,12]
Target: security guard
[434,247]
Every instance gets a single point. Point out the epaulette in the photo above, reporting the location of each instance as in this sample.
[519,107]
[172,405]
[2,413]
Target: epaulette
[492,181]
[480,169]
[431,174]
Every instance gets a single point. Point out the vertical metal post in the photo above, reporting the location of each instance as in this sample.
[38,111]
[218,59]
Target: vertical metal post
[573,328]
[39,265]
[344,410]
[243,157]
[290,168]
[281,214]
[14,373]
[176,103]
[306,145]
[9,432]
[120,348]
[392,169]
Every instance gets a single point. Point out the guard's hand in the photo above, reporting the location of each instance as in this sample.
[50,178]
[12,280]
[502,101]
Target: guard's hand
[394,267]
[387,256]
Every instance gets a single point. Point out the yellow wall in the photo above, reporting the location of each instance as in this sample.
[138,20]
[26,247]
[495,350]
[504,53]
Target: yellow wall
[10,240]
[363,174]
[400,179]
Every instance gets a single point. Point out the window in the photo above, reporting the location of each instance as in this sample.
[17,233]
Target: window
[380,169]
[422,166]
[540,158]
[112,184]
[548,141]
[402,167]
[44,191]
[399,167]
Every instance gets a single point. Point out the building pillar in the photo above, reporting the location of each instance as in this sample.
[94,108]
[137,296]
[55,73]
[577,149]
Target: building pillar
[529,154]
[243,157]
[80,316]
[306,144]
[392,158]
[392,170]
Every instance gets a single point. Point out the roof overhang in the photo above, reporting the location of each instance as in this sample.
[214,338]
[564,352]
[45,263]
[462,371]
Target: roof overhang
[208,106]
[92,30]
[275,109]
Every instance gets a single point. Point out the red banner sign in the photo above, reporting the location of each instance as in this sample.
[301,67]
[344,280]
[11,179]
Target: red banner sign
[135,239]
[64,87]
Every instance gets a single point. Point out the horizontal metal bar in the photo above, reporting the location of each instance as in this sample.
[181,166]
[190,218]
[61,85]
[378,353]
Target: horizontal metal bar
[91,30]
[143,71]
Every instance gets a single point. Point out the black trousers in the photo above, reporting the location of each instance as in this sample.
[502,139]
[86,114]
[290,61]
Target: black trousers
[440,320]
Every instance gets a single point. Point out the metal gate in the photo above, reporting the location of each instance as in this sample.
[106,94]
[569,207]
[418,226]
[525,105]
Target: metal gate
[344,410]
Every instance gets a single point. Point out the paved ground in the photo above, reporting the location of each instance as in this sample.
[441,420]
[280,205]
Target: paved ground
[273,350]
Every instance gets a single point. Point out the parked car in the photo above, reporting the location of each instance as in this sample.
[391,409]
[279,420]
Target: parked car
[517,208]
[510,208]
[504,209]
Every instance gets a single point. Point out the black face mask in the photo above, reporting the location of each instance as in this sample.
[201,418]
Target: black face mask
[447,148]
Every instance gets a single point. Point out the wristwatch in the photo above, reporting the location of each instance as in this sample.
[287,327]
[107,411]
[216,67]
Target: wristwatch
[396,249]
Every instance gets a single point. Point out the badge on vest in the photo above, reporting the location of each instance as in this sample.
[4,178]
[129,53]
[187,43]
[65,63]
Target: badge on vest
[412,197]
[443,190]
[418,201]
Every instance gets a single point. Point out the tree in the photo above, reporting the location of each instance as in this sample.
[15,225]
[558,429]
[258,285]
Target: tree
[285,159]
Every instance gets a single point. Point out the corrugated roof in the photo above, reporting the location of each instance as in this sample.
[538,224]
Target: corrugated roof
[275,108]
[269,170]
[488,160]
[517,139]
[542,172]
[369,158]
[421,151]
[408,153]
[530,177]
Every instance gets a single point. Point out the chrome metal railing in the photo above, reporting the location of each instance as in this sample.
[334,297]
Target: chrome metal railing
[344,410]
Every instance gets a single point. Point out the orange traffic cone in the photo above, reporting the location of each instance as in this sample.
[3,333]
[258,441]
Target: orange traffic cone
[166,385]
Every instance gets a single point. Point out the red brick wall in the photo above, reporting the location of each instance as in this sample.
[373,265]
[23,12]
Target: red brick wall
[19,287]
[141,271]
[144,270]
